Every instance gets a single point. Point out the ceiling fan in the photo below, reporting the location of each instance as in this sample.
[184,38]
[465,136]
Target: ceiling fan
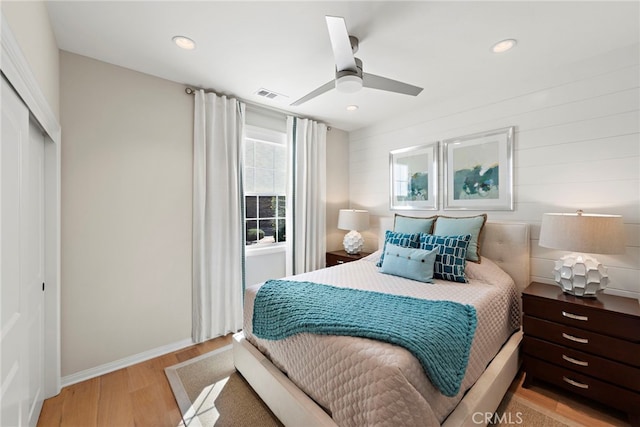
[349,74]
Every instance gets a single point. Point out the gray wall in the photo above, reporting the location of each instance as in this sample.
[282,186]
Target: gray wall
[576,147]
[126,212]
[337,184]
[29,23]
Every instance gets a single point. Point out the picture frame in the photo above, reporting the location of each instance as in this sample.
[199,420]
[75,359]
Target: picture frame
[413,177]
[478,171]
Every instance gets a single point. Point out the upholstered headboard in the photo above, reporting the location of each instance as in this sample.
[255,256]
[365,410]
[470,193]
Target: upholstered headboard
[504,242]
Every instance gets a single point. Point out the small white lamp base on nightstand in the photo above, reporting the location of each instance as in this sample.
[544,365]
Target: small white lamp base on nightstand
[580,275]
[353,242]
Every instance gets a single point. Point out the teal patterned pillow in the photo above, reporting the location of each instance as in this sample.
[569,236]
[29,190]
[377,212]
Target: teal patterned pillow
[404,240]
[452,251]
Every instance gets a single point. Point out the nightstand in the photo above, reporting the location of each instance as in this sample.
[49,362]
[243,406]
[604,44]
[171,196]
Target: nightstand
[590,346]
[340,257]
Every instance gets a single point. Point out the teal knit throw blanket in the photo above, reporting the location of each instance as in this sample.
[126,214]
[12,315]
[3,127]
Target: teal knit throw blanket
[438,333]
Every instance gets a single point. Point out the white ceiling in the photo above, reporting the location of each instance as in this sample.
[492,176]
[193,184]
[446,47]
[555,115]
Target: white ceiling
[284,47]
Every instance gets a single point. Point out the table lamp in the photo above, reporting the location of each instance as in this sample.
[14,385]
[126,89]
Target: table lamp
[353,220]
[579,274]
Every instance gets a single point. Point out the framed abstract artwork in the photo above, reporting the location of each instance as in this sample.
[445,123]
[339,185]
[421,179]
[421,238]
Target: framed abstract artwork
[478,171]
[413,174]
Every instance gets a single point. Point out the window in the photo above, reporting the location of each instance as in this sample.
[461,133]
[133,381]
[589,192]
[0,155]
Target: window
[265,183]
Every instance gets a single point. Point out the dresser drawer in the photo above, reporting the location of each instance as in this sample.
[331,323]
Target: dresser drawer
[587,341]
[341,257]
[585,363]
[333,259]
[584,317]
[584,385]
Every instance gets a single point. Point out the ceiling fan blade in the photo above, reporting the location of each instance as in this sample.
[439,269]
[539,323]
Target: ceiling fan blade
[342,51]
[383,83]
[322,89]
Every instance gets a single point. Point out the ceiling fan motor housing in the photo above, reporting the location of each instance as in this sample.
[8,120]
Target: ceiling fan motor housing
[349,81]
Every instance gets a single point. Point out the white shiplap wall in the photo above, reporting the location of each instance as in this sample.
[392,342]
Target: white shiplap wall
[577,146]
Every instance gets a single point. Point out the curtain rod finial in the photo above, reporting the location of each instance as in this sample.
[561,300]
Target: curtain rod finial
[189,91]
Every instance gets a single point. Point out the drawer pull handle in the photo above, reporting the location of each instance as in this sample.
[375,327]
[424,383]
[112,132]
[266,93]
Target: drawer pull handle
[575,383]
[576,339]
[575,316]
[339,262]
[574,361]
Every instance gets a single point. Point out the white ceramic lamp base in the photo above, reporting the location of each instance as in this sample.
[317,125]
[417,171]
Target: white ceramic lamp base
[580,275]
[353,242]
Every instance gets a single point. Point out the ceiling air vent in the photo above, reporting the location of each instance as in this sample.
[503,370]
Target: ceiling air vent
[269,94]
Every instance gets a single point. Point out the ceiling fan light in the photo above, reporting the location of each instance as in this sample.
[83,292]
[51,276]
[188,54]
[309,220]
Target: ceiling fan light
[349,84]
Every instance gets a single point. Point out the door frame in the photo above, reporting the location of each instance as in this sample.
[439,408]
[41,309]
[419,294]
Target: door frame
[17,71]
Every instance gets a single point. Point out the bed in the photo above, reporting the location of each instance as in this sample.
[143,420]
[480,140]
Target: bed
[357,381]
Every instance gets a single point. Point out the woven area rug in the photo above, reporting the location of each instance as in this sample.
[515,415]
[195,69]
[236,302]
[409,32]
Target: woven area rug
[514,410]
[210,392]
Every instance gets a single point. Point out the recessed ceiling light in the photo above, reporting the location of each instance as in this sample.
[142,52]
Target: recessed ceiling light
[352,107]
[184,42]
[503,46]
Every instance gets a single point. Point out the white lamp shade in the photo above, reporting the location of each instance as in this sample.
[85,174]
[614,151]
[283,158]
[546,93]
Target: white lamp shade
[585,233]
[353,219]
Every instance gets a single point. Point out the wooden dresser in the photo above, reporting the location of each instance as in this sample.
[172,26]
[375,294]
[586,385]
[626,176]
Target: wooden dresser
[590,346]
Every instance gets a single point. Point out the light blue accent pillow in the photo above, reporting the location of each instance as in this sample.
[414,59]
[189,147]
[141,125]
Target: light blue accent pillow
[414,264]
[450,261]
[410,224]
[405,240]
[473,225]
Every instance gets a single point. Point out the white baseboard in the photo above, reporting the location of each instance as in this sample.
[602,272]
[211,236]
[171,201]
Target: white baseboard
[125,362]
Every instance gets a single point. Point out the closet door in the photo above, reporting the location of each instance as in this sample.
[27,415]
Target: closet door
[32,240]
[21,264]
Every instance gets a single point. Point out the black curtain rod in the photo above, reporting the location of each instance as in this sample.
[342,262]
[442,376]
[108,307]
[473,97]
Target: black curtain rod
[192,91]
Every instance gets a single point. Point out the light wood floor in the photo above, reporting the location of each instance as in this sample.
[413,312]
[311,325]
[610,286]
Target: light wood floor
[140,396]
[135,396]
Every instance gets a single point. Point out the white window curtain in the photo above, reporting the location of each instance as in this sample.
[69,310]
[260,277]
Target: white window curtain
[306,204]
[218,216]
